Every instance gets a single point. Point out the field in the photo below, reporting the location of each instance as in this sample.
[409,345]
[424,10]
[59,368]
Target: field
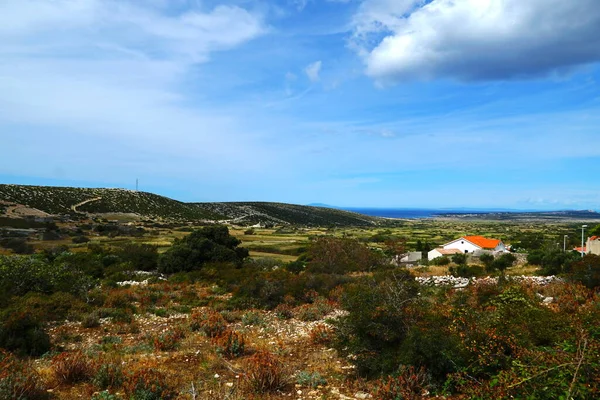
[115,306]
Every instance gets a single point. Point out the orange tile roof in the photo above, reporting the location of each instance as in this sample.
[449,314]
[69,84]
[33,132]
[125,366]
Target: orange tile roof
[595,237]
[580,249]
[482,242]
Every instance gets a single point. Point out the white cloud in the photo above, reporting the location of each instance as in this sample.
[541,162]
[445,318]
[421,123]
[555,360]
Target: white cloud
[475,39]
[313,70]
[92,74]
[90,25]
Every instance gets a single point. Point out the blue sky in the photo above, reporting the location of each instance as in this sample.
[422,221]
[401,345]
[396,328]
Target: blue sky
[381,103]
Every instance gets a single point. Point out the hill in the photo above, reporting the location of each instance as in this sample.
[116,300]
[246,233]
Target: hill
[250,213]
[67,200]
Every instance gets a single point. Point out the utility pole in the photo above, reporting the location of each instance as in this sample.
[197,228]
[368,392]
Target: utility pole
[565,243]
[136,184]
[582,230]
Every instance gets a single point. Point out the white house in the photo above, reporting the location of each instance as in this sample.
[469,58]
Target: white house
[593,245]
[469,244]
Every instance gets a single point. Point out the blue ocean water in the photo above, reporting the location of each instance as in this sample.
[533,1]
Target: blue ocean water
[408,212]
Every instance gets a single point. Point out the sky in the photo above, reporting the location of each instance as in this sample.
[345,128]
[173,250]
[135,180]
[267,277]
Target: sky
[356,103]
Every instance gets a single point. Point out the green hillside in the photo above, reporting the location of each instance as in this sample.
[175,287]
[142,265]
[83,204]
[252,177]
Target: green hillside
[250,213]
[65,200]
[60,200]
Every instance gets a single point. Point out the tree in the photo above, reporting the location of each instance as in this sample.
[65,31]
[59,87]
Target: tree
[459,259]
[142,257]
[552,262]
[338,256]
[487,260]
[206,245]
[586,271]
[503,262]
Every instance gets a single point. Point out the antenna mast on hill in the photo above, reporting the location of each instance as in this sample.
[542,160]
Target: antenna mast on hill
[136,184]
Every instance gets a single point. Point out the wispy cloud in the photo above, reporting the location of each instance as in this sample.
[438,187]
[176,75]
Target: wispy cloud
[313,70]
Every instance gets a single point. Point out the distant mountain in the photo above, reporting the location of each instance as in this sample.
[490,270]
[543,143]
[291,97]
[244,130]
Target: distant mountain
[323,205]
[67,200]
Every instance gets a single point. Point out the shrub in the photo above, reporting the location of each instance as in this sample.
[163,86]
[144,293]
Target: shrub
[586,271]
[109,374]
[18,380]
[210,322]
[231,344]
[284,311]
[80,239]
[465,271]
[265,372]
[321,334]
[120,298]
[440,261]
[310,379]
[212,244]
[314,311]
[72,367]
[168,340]
[148,383]
[91,320]
[252,318]
[380,314]
[104,395]
[332,255]
[22,332]
[459,259]
[143,257]
[231,316]
[19,246]
[410,384]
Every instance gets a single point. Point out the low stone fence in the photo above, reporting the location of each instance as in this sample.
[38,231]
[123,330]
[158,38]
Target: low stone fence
[448,280]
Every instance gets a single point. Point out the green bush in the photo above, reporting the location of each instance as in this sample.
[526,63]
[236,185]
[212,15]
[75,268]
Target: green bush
[22,332]
[332,255]
[310,379]
[378,321]
[206,245]
[440,261]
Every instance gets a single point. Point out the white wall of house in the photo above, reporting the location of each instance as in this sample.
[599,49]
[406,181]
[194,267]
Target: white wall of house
[463,245]
[593,247]
[433,254]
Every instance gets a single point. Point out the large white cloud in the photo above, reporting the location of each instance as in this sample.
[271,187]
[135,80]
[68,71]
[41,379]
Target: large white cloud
[475,39]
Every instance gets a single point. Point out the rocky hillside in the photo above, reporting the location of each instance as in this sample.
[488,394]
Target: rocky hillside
[250,213]
[66,200]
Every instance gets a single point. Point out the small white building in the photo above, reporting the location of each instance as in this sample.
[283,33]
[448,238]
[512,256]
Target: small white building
[441,252]
[468,245]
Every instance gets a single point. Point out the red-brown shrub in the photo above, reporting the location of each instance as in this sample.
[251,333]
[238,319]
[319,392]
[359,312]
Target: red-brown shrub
[210,322]
[266,373]
[18,380]
[321,334]
[72,367]
[409,384]
[148,382]
[231,343]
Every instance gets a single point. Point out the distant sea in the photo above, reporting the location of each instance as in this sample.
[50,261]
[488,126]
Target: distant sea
[409,212]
